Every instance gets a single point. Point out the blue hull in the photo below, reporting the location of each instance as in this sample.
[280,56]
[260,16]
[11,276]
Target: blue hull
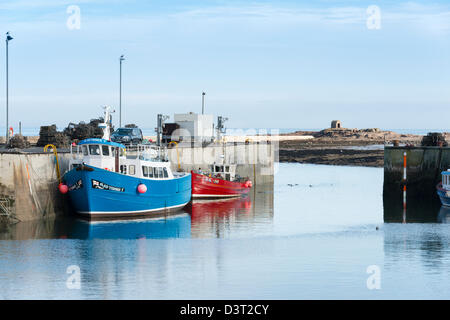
[101,193]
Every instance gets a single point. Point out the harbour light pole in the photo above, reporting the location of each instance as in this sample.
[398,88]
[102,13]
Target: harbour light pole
[203,102]
[8,39]
[120,92]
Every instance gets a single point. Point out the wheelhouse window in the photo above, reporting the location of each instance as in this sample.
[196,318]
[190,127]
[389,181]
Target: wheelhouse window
[166,174]
[105,150]
[155,173]
[145,171]
[94,150]
[160,173]
[85,150]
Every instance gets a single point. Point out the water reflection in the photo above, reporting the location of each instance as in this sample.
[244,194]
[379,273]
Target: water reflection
[202,219]
[175,226]
[249,215]
[418,209]
[444,215]
[213,217]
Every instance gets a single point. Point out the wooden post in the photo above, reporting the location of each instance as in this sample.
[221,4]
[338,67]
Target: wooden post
[404,187]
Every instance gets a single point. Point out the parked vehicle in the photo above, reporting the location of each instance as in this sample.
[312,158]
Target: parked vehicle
[127,136]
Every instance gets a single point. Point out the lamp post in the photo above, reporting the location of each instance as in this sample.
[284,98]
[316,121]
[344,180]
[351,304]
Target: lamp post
[8,38]
[120,92]
[203,102]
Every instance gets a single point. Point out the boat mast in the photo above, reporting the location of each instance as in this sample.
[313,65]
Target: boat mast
[106,125]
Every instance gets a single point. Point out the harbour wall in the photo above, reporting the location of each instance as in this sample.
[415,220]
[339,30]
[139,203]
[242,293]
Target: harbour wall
[423,172]
[28,181]
[28,185]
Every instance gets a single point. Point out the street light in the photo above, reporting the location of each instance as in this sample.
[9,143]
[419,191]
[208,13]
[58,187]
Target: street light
[8,39]
[120,92]
[203,102]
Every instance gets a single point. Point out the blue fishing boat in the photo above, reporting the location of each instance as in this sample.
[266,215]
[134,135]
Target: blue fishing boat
[105,181]
[443,188]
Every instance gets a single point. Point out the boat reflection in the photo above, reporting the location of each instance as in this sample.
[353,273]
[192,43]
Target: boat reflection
[174,226]
[210,217]
[444,215]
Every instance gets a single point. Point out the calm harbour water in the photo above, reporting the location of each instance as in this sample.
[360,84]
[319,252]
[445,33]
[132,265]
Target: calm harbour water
[312,237]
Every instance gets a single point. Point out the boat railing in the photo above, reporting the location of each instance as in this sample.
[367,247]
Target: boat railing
[76,152]
[149,152]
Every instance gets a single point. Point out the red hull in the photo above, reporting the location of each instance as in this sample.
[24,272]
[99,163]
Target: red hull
[209,187]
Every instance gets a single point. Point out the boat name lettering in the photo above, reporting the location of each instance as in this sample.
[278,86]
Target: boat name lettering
[103,186]
[77,185]
[212,180]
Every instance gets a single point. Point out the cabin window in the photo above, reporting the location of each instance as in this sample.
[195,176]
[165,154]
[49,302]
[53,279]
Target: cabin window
[145,171]
[85,150]
[123,169]
[217,169]
[155,173]
[105,150]
[160,173]
[227,168]
[94,150]
[131,169]
[150,172]
[166,174]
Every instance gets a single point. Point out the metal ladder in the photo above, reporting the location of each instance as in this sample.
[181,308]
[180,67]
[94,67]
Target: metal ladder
[5,208]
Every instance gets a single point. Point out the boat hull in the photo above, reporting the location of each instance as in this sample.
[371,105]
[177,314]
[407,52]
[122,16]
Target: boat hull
[444,195]
[96,192]
[209,187]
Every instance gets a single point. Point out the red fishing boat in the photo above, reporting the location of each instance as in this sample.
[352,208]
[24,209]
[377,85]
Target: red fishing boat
[221,182]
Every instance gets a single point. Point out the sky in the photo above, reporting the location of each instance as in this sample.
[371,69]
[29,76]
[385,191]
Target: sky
[262,64]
